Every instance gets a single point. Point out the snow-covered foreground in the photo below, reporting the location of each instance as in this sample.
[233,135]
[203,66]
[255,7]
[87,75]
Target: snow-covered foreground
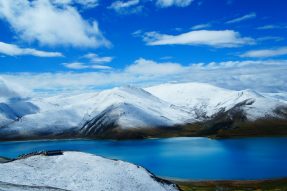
[128,108]
[80,171]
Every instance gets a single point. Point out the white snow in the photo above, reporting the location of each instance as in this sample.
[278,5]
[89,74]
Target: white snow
[211,99]
[130,107]
[80,171]
[133,107]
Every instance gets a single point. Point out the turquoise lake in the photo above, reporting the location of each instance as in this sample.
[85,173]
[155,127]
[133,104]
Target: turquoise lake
[184,158]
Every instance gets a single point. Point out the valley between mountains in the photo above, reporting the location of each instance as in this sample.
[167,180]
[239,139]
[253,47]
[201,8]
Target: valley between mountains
[167,110]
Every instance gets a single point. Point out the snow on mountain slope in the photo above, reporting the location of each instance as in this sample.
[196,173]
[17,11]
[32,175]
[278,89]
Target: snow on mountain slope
[211,99]
[128,107]
[80,171]
[131,107]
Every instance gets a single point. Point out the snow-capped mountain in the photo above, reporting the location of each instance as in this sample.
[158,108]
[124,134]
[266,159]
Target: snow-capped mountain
[130,109]
[211,99]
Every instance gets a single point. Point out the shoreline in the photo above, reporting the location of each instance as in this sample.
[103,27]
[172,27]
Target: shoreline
[132,139]
[272,184]
[200,185]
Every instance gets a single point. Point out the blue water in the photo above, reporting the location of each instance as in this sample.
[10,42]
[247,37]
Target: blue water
[186,158]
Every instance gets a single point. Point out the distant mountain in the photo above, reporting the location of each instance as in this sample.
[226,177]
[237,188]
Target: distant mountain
[209,100]
[187,109]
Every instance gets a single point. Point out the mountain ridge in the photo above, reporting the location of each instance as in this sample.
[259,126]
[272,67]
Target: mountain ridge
[138,112]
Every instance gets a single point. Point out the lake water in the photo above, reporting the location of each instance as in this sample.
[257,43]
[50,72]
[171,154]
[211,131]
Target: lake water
[185,158]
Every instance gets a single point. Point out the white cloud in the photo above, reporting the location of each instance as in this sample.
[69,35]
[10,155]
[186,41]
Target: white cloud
[149,67]
[266,53]
[126,7]
[224,38]
[200,26]
[265,27]
[101,67]
[49,24]
[270,38]
[169,3]
[80,66]
[234,64]
[94,62]
[84,3]
[268,27]
[14,50]
[264,76]
[133,6]
[94,58]
[243,18]
[75,65]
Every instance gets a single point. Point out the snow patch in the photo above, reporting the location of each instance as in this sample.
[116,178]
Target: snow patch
[80,171]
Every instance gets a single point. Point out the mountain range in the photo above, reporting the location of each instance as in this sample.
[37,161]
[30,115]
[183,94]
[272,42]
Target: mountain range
[166,110]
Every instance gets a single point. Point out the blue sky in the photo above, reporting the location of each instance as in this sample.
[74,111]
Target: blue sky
[63,45]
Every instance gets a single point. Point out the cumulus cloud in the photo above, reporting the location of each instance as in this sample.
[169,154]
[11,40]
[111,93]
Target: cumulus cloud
[224,38]
[243,18]
[169,3]
[126,7]
[44,22]
[14,50]
[263,76]
[265,53]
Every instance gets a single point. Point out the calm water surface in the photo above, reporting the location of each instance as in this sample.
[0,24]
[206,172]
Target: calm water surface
[186,158]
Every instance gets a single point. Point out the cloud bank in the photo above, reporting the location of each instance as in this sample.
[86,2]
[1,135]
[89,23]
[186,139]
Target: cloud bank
[263,76]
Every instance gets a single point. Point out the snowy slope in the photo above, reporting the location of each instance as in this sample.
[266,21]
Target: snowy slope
[210,99]
[80,171]
[128,107]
